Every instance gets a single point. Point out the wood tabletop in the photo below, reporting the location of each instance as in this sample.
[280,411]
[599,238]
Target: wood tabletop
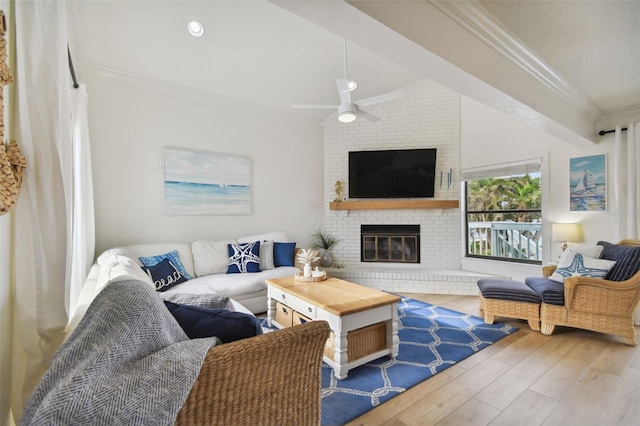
[335,295]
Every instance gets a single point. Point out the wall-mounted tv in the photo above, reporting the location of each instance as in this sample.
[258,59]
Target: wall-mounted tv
[397,173]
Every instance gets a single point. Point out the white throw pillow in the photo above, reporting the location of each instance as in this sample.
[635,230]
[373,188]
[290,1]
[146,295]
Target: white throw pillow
[592,251]
[210,257]
[574,264]
[266,255]
[272,236]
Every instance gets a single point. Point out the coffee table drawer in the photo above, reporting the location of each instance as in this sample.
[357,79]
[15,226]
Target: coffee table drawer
[297,304]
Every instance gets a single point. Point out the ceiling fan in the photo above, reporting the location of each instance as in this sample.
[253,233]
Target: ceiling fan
[348,111]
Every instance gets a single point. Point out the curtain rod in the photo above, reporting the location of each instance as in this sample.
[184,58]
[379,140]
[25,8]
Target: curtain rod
[73,72]
[604,132]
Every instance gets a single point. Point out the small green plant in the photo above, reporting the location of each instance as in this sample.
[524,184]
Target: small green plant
[323,240]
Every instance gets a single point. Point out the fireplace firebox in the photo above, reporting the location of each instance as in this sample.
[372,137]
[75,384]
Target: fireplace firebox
[390,243]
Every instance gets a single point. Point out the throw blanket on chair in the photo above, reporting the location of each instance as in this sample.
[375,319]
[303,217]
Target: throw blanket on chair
[127,362]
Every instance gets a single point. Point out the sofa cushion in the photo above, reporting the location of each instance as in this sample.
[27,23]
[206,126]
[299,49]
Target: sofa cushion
[116,267]
[551,292]
[283,254]
[207,300]
[577,265]
[271,236]
[228,326]
[173,256]
[164,275]
[210,257]
[244,258]
[516,291]
[627,260]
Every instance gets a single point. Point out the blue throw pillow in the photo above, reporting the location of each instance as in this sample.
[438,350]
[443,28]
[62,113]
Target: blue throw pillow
[283,254]
[627,260]
[173,256]
[228,326]
[244,258]
[164,275]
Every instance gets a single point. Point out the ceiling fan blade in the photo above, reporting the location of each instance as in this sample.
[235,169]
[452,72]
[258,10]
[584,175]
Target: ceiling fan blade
[329,119]
[310,106]
[381,98]
[366,115]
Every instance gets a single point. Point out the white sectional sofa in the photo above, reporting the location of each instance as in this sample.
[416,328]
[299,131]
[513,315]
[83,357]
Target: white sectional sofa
[205,261]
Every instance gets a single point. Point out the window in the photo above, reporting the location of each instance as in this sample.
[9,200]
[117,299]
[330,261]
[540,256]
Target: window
[503,214]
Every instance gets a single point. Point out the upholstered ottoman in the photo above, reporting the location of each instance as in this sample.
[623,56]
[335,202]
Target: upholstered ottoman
[511,299]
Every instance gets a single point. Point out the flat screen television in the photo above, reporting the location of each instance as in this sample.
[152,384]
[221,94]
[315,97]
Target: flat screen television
[397,173]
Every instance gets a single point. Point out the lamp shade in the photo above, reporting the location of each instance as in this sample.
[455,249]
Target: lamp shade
[566,232]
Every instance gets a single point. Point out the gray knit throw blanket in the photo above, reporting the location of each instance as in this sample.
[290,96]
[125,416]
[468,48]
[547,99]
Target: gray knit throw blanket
[127,363]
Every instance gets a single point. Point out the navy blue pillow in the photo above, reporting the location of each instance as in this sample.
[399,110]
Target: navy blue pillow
[627,260]
[228,326]
[283,254]
[164,275]
[244,258]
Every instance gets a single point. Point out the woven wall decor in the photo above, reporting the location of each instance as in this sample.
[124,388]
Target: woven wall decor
[12,162]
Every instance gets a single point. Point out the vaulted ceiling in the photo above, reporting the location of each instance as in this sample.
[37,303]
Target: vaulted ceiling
[566,67]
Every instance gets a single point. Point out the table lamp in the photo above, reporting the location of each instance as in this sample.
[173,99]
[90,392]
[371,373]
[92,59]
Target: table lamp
[566,232]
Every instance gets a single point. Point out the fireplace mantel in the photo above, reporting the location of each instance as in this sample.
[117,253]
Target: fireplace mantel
[394,204]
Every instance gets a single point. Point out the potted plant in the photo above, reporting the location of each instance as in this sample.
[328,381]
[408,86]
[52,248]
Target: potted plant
[324,241]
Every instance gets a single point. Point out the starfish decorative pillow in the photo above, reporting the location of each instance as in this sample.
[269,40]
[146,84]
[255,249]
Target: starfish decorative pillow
[244,258]
[574,264]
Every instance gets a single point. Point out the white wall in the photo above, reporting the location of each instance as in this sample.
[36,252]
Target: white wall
[132,120]
[428,116]
[490,137]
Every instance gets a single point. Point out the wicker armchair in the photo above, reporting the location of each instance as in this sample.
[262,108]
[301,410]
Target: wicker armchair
[595,304]
[271,379]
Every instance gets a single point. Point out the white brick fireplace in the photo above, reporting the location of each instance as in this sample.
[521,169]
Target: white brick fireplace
[428,116]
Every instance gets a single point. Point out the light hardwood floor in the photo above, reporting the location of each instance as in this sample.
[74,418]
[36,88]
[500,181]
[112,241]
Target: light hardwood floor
[573,377]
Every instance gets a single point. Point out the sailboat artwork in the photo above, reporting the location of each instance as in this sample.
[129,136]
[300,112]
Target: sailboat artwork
[588,187]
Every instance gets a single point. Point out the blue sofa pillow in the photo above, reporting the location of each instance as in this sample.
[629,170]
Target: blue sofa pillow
[228,326]
[627,260]
[173,256]
[283,254]
[244,258]
[164,275]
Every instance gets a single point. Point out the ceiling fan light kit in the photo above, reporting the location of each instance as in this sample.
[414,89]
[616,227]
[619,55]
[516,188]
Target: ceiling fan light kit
[347,113]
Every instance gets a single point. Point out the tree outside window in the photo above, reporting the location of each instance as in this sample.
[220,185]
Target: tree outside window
[504,217]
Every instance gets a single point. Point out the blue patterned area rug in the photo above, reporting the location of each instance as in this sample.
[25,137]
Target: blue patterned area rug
[432,339]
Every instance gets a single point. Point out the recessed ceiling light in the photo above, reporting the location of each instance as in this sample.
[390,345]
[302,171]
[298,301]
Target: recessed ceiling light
[196,29]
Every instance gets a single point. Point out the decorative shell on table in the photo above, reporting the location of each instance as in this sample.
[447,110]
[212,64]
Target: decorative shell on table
[308,256]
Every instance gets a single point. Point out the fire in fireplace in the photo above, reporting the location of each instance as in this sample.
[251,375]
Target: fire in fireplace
[390,243]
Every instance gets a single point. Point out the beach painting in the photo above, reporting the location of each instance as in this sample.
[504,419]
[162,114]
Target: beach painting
[206,183]
[588,183]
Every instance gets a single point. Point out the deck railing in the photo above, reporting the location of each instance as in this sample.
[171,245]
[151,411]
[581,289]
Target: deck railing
[515,240]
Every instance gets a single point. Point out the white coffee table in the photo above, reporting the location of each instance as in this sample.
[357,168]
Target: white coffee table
[363,317]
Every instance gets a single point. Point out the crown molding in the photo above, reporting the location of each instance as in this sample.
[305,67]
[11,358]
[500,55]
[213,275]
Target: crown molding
[190,92]
[621,116]
[478,21]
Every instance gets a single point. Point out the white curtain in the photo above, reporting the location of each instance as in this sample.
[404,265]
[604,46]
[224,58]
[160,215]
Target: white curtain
[82,244]
[626,181]
[626,184]
[53,235]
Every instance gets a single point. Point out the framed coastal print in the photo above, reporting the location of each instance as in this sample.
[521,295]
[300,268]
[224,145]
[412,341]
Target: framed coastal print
[206,183]
[588,183]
